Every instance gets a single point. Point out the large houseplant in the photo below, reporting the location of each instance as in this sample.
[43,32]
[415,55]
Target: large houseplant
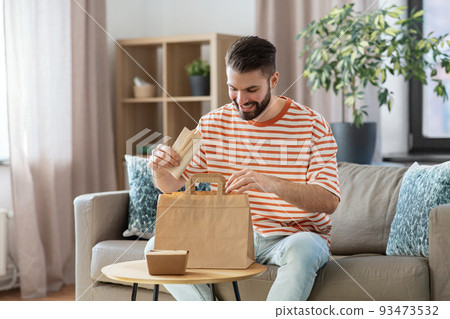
[348,50]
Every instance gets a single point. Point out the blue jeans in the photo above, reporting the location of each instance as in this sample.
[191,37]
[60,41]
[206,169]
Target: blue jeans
[299,256]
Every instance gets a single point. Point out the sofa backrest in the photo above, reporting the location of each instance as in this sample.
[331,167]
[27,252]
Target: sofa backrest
[362,221]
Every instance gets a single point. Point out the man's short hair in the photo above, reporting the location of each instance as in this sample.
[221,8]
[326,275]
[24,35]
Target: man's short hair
[252,53]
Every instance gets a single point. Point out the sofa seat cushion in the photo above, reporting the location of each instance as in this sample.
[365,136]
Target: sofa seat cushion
[371,276]
[382,277]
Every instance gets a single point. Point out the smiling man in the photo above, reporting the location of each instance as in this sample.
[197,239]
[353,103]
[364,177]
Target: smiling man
[282,154]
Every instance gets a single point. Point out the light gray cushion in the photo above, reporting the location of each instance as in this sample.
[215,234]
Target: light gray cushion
[423,188]
[110,252]
[363,277]
[361,223]
[358,277]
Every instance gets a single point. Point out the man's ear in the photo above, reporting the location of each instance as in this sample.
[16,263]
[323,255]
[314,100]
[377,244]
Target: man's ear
[274,80]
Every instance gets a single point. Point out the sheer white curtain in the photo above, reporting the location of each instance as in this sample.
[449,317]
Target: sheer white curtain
[4,143]
[51,132]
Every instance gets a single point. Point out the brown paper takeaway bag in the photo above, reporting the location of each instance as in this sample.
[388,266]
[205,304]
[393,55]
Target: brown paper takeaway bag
[215,228]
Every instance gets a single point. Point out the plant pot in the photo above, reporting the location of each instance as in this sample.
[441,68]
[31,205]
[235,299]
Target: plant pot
[199,85]
[355,145]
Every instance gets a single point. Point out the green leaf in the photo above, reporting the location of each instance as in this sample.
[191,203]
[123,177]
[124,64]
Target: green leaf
[390,50]
[393,14]
[401,9]
[306,73]
[418,14]
[382,96]
[373,35]
[377,20]
[364,44]
[381,21]
[361,50]
[323,78]
[420,44]
[340,86]
[377,72]
[391,31]
[350,100]
[353,56]
[383,76]
[401,21]
[347,49]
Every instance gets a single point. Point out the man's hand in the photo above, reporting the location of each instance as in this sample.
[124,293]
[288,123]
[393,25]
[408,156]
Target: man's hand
[248,179]
[163,156]
[308,197]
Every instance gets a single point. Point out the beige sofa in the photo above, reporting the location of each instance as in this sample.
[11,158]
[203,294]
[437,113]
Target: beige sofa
[358,268]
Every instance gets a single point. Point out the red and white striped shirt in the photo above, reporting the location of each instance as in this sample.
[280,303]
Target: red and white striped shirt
[296,145]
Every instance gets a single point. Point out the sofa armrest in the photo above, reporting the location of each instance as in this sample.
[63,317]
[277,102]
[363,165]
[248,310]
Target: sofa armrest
[98,217]
[439,258]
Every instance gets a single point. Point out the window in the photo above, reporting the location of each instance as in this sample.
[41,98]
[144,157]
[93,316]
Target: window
[4,139]
[429,115]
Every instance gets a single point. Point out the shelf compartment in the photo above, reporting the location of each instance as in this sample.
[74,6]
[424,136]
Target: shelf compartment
[143,62]
[176,116]
[178,56]
[136,118]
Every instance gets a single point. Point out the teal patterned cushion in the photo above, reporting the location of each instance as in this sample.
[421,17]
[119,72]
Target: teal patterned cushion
[423,188]
[143,198]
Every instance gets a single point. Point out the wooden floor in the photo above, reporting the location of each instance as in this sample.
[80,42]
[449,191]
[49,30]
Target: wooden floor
[67,293]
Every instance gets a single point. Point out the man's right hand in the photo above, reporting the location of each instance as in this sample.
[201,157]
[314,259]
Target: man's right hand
[163,156]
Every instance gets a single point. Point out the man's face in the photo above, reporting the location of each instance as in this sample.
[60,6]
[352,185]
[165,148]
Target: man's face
[250,92]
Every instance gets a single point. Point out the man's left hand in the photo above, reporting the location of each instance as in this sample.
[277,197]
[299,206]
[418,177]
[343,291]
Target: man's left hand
[248,179]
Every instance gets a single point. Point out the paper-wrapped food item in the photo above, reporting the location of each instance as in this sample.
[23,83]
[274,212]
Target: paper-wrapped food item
[187,145]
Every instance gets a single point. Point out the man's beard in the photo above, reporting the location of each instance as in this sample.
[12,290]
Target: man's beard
[260,107]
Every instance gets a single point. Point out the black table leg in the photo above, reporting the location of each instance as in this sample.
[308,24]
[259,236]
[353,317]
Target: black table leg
[213,296]
[134,292]
[236,291]
[155,292]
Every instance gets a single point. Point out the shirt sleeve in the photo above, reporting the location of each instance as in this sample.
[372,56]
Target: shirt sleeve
[322,168]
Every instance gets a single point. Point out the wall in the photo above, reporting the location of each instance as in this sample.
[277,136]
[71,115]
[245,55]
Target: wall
[141,18]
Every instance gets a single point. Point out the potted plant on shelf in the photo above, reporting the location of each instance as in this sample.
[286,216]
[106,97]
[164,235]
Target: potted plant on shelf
[349,50]
[198,71]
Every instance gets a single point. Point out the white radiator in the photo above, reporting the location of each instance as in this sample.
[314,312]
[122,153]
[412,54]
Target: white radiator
[3,241]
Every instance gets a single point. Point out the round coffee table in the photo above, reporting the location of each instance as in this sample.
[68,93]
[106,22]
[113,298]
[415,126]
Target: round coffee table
[136,272]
